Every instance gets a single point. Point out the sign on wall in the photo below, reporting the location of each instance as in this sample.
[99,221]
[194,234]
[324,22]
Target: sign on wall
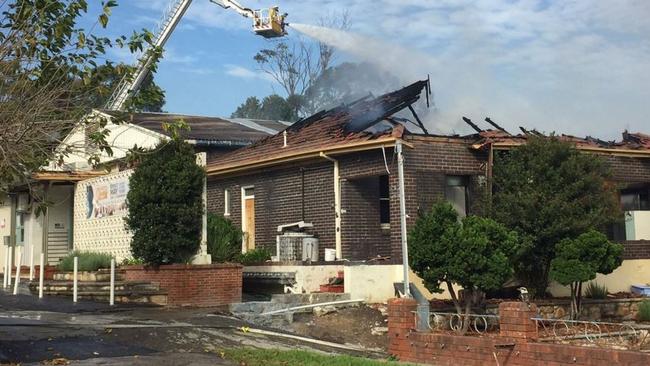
[106,199]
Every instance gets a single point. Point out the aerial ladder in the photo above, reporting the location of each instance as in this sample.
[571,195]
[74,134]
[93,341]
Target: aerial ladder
[268,23]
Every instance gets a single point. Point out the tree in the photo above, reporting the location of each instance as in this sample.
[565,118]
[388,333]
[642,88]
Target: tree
[296,63]
[149,98]
[579,260]
[548,191]
[49,67]
[345,82]
[475,254]
[165,204]
[272,107]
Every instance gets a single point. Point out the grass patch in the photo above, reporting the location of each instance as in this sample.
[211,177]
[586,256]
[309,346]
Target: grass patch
[644,311]
[596,291]
[271,357]
[88,261]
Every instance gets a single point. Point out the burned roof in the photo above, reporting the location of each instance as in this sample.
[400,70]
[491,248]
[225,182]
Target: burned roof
[631,142]
[227,131]
[348,124]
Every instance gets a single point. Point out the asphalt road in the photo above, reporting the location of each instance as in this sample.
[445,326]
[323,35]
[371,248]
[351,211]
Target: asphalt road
[87,333]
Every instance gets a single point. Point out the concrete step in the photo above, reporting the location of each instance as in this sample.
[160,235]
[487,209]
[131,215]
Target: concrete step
[63,286]
[125,291]
[102,275]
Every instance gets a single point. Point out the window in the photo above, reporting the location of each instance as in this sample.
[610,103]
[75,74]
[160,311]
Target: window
[456,193]
[636,198]
[226,202]
[384,202]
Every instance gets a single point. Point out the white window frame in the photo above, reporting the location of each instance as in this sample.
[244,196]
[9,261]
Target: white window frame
[226,202]
[244,197]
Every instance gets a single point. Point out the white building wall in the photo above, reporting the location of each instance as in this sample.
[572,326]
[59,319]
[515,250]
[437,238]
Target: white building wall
[121,138]
[106,234]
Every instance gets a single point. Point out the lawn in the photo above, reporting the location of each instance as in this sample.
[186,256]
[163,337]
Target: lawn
[266,357]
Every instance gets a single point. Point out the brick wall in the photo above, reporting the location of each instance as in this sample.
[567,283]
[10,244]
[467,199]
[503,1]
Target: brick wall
[636,249]
[515,345]
[629,169]
[193,285]
[279,200]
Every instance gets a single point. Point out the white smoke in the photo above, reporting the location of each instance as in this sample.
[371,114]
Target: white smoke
[408,65]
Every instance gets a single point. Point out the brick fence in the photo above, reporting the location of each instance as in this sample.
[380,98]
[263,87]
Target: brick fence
[193,285]
[515,344]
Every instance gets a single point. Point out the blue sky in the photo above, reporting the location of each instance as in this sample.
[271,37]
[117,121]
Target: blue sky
[578,67]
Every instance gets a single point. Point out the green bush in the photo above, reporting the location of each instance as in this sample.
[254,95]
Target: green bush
[88,261]
[165,205]
[596,291]
[258,255]
[644,311]
[131,262]
[224,239]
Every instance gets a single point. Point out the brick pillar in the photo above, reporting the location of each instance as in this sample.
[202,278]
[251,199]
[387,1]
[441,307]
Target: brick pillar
[401,322]
[515,320]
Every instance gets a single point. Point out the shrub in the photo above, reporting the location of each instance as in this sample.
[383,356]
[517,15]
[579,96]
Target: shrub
[547,191]
[254,256]
[131,262]
[579,260]
[475,254]
[644,311]
[224,239]
[88,261]
[165,205]
[596,291]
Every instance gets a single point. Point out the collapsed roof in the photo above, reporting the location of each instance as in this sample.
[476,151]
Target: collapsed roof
[363,122]
[631,142]
[207,130]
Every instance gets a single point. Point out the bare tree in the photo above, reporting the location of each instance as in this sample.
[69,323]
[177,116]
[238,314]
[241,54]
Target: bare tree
[297,63]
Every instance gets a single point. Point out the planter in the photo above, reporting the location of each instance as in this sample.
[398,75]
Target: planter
[193,285]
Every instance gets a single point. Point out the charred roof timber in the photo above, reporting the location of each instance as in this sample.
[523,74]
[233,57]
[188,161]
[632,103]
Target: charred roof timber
[472,124]
[495,125]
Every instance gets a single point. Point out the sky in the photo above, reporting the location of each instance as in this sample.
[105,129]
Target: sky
[576,67]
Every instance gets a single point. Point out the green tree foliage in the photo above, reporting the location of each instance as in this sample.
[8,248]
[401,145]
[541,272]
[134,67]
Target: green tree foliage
[51,69]
[475,254]
[224,239]
[272,107]
[165,205]
[548,191]
[579,260]
[149,98]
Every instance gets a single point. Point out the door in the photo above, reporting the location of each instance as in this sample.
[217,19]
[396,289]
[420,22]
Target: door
[248,218]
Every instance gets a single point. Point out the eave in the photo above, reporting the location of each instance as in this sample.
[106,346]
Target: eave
[304,155]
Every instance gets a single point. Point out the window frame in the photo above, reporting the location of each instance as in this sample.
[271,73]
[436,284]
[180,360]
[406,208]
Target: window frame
[384,224]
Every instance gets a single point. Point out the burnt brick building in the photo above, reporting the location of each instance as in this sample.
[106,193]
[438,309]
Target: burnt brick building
[335,173]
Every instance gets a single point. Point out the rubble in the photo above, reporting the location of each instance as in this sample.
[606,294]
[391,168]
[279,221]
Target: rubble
[324,310]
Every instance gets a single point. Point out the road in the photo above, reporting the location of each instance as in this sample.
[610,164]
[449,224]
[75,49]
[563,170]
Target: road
[87,333]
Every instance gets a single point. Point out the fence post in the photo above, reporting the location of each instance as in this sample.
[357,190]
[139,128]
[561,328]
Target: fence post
[74,280]
[31,263]
[112,296]
[6,280]
[41,276]
[17,280]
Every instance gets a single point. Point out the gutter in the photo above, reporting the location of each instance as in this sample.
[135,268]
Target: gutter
[337,204]
[601,150]
[309,154]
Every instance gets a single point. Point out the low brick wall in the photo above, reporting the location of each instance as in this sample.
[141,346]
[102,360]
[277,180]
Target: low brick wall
[193,285]
[515,344]
[24,272]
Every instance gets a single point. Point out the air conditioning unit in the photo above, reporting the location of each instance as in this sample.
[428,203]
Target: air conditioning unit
[293,246]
